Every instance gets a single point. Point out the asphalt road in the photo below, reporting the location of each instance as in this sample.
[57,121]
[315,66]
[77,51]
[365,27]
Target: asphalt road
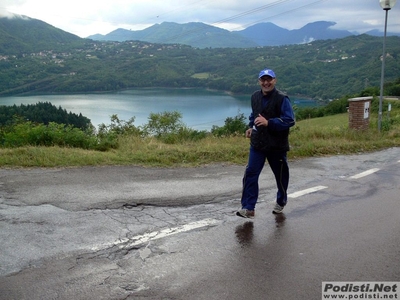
[146,233]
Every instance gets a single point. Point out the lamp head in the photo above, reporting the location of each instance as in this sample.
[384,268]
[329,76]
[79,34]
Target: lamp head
[387,4]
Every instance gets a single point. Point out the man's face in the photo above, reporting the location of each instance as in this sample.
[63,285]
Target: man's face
[267,84]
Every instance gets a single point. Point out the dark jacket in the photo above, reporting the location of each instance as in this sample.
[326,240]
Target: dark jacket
[272,137]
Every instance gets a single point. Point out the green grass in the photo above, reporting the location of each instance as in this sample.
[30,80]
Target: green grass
[309,138]
[201,75]
[331,136]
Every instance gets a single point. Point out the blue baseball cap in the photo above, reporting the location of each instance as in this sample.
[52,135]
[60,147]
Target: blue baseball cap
[266,72]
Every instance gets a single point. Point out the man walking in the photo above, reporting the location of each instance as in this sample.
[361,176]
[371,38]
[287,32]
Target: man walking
[271,117]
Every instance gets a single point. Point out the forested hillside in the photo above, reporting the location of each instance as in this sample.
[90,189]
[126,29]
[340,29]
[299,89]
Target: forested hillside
[43,113]
[26,35]
[320,70]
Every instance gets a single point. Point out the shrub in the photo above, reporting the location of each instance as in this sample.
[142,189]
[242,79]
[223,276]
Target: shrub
[119,127]
[162,124]
[28,133]
[107,135]
[233,126]
[169,128]
[334,107]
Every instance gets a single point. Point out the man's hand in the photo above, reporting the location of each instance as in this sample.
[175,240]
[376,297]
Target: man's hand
[261,121]
[248,132]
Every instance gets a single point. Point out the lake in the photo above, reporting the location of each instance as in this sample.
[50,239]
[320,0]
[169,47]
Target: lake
[200,108]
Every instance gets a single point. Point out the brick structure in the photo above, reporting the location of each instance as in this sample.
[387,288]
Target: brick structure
[359,112]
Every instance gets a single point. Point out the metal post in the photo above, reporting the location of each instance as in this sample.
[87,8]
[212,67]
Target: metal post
[382,73]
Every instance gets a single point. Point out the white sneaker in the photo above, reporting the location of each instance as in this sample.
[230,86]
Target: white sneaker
[277,209]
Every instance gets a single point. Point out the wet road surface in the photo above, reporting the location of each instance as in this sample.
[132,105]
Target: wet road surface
[144,233]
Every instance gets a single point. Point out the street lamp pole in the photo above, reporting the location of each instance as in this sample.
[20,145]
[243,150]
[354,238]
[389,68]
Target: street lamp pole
[386,5]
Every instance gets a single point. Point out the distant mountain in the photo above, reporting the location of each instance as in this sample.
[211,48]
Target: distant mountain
[197,35]
[376,32]
[317,31]
[266,34]
[22,34]
[201,35]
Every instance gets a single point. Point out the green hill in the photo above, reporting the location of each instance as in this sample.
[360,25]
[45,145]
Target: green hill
[22,34]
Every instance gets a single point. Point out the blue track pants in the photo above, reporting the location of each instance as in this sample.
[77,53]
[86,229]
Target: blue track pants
[279,166]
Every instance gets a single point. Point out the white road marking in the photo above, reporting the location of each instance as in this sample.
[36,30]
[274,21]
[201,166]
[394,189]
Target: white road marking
[155,235]
[307,191]
[363,174]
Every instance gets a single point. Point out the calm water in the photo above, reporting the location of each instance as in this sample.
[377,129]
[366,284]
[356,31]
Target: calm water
[200,109]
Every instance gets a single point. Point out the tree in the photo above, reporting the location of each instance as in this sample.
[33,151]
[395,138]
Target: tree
[164,123]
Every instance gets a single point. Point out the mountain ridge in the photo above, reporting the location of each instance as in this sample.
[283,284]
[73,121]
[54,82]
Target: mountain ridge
[201,35]
[23,32]
[195,34]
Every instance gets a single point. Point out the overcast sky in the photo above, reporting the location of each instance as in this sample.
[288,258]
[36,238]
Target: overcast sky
[87,17]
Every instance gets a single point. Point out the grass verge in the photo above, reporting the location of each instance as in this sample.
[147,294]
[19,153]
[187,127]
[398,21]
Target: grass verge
[314,137]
